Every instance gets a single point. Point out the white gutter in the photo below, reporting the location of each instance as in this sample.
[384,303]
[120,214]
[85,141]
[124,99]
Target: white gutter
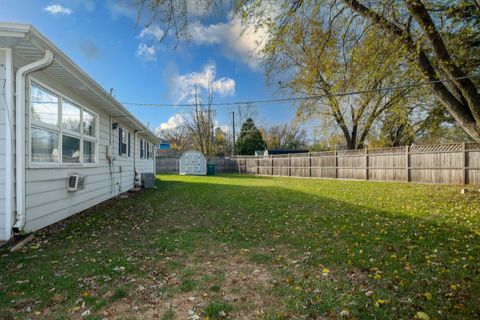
[20,135]
[9,144]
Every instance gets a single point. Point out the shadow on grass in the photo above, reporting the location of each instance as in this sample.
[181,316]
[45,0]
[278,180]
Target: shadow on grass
[365,244]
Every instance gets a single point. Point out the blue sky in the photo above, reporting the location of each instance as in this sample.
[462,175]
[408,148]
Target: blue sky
[103,38]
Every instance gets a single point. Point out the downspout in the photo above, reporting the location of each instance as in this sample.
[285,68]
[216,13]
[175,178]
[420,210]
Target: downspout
[155,159]
[20,135]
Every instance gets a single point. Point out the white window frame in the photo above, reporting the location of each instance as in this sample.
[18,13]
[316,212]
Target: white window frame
[60,131]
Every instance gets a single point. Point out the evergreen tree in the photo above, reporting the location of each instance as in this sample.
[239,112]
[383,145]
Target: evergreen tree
[250,139]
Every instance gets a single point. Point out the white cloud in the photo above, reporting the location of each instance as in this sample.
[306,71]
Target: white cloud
[173,122]
[150,37]
[238,43]
[121,8]
[57,9]
[152,32]
[206,79]
[88,5]
[146,53]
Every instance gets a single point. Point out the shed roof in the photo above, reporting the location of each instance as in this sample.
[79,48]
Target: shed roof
[30,45]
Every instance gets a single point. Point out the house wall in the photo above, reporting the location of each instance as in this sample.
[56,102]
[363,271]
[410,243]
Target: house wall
[47,199]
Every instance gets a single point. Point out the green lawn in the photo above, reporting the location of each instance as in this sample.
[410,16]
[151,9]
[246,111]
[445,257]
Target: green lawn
[245,247]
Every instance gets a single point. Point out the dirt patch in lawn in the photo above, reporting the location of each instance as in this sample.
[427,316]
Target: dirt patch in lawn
[207,282]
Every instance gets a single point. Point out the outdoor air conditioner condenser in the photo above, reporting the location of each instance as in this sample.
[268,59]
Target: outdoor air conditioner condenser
[148,180]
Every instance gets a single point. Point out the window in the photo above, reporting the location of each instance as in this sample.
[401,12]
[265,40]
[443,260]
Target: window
[88,124]
[146,150]
[70,149]
[62,132]
[70,117]
[44,145]
[123,142]
[44,106]
[89,152]
[141,148]
[150,151]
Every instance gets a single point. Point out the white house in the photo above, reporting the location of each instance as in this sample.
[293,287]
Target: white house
[56,122]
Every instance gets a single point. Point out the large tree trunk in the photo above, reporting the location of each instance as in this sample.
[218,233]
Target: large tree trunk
[466,109]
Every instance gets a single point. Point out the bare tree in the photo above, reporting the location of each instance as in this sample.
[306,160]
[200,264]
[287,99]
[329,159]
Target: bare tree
[179,137]
[242,113]
[285,137]
[200,120]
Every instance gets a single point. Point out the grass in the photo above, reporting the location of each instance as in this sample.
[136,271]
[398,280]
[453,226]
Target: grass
[217,310]
[261,247]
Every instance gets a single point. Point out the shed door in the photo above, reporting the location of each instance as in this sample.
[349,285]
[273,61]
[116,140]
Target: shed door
[192,164]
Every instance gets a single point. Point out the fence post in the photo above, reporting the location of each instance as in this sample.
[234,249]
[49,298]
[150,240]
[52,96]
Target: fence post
[309,164]
[336,164]
[289,165]
[407,163]
[271,163]
[258,165]
[366,164]
[464,164]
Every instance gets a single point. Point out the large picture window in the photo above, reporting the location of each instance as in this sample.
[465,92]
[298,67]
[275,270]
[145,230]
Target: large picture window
[61,131]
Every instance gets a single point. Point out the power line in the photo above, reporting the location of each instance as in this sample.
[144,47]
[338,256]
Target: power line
[312,97]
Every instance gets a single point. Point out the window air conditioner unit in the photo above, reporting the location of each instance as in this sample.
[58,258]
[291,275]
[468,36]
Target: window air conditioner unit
[76,182]
[148,180]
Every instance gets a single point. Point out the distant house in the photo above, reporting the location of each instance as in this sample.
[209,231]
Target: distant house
[163,148]
[65,143]
[164,145]
[273,152]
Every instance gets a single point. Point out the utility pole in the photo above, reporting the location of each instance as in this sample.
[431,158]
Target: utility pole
[233,128]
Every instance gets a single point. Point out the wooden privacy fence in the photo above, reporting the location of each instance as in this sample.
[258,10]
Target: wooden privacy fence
[171,165]
[445,164]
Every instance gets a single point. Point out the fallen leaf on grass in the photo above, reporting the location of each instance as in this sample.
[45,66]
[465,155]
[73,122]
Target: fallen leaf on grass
[422,316]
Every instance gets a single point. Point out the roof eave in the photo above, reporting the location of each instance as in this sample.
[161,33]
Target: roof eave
[41,42]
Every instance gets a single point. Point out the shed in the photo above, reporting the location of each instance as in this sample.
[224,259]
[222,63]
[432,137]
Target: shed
[65,143]
[193,163]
